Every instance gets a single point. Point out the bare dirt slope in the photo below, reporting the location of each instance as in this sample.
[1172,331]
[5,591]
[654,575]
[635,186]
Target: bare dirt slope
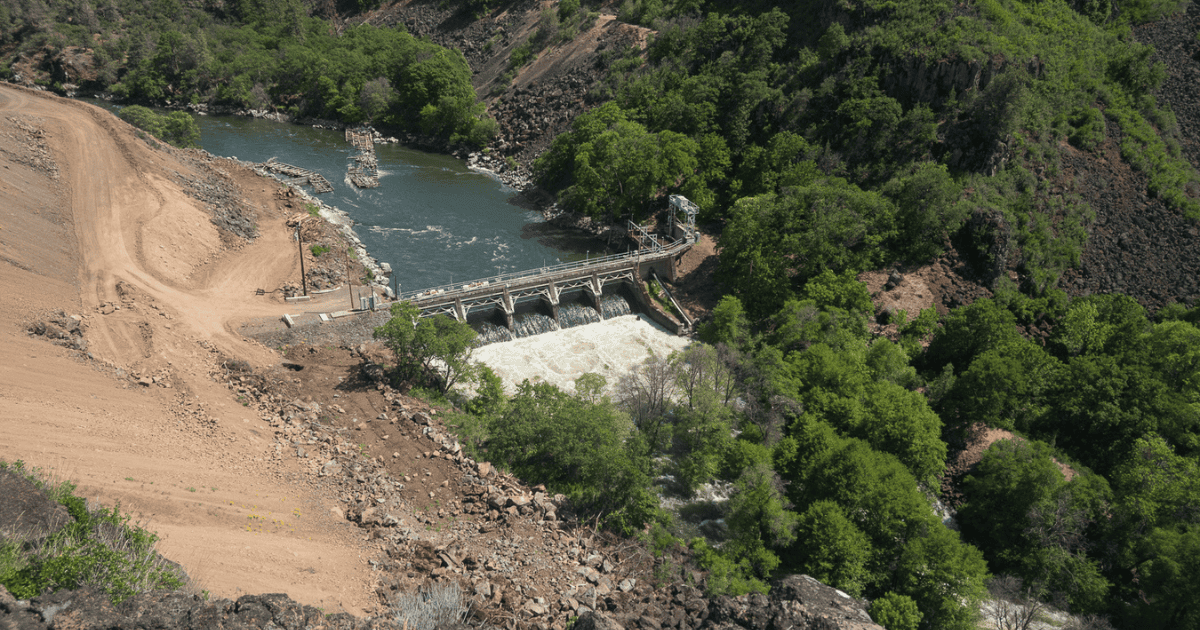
[97,222]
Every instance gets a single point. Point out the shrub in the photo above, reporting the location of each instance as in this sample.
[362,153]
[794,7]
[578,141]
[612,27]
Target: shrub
[522,55]
[725,577]
[1087,128]
[440,605]
[177,128]
[896,612]
[99,549]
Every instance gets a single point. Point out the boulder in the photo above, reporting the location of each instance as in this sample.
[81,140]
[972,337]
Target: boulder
[592,620]
[795,601]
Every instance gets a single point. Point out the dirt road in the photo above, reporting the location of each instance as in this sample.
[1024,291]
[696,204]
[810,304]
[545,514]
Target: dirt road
[94,221]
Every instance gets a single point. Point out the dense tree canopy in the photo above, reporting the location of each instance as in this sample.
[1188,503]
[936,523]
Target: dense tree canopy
[260,54]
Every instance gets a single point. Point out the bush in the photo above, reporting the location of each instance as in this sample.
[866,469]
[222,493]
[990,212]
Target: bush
[725,577]
[522,55]
[1087,128]
[177,128]
[99,549]
[440,605]
[896,612]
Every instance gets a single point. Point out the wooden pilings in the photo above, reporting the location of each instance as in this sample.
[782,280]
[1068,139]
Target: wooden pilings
[299,176]
[364,173]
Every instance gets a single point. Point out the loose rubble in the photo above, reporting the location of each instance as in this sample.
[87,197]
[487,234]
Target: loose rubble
[437,516]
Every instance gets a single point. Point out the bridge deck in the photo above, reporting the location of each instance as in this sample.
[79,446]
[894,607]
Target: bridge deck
[430,298]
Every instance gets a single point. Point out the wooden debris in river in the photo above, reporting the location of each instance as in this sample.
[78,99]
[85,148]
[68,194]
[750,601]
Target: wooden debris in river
[299,176]
[364,173]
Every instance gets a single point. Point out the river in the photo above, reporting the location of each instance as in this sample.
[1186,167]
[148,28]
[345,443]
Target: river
[435,221]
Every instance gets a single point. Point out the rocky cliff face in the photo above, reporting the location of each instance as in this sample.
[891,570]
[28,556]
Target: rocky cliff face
[797,602]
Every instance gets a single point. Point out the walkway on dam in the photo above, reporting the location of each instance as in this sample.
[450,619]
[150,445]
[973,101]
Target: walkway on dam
[504,292]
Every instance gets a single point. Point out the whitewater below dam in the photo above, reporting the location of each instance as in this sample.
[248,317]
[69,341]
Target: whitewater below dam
[610,348]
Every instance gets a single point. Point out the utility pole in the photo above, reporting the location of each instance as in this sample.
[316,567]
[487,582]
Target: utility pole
[349,279]
[300,241]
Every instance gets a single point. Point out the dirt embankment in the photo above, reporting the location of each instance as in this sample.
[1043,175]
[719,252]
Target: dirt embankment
[103,231]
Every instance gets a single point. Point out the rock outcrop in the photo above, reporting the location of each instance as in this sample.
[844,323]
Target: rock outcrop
[89,609]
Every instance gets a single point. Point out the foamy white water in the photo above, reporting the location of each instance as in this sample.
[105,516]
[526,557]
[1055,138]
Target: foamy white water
[610,348]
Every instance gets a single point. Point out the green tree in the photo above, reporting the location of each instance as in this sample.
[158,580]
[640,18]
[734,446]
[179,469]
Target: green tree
[587,451]
[758,522]
[775,240]
[1168,581]
[900,422]
[619,172]
[968,332]
[842,291]
[590,388]
[944,576]
[701,435]
[143,118]
[489,399]
[728,324]
[1012,477]
[1033,523]
[914,554]
[1156,486]
[1103,405]
[181,130]
[177,128]
[833,42]
[437,347]
[888,362]
[830,548]
[928,210]
[376,97]
[801,323]
[1007,387]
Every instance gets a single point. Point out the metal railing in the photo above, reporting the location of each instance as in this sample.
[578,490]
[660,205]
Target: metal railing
[459,288]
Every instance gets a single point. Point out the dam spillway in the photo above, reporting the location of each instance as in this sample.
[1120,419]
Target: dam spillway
[555,297]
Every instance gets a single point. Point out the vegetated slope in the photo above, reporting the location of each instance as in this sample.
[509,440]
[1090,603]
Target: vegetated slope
[878,98]
[244,56]
[533,62]
[1137,244]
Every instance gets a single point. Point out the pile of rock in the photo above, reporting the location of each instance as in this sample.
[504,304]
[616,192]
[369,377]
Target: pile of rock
[33,150]
[62,330]
[217,191]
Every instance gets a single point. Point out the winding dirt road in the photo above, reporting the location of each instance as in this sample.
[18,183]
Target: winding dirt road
[93,222]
